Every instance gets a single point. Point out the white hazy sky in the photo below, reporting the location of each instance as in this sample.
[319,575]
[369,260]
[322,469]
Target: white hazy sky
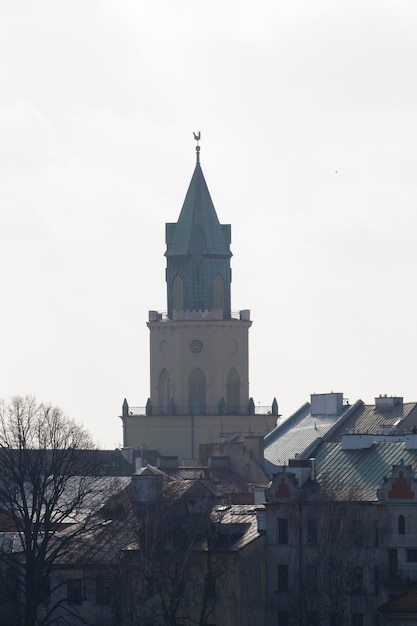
[308,114]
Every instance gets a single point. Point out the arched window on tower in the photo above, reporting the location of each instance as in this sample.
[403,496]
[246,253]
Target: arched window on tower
[163,392]
[178,294]
[218,293]
[197,392]
[401,525]
[233,391]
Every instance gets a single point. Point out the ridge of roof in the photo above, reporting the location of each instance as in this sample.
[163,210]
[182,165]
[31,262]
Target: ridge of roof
[287,424]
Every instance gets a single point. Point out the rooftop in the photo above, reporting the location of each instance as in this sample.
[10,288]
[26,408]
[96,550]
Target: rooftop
[360,472]
[301,433]
[298,434]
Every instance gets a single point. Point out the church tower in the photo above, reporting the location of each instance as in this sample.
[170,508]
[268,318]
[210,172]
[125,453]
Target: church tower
[199,363]
[199,349]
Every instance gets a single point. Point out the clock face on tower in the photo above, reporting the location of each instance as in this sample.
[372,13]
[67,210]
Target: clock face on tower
[196,346]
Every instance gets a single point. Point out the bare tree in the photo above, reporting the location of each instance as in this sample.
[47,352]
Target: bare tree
[336,537]
[162,578]
[46,484]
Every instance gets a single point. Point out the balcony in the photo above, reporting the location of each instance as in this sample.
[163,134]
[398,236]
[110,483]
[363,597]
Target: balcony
[209,410]
[198,315]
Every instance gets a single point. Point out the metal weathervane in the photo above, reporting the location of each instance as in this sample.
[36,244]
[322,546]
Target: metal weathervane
[197,137]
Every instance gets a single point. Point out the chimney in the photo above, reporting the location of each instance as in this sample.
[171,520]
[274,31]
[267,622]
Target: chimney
[312,468]
[146,487]
[168,462]
[387,402]
[261,519]
[326,404]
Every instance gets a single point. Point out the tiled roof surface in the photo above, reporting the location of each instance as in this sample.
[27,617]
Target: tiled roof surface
[97,490]
[226,480]
[233,527]
[236,525]
[406,602]
[360,472]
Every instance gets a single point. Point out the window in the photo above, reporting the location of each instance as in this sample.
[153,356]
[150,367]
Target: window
[282,577]
[233,391]
[401,525]
[197,392]
[46,590]
[393,563]
[357,533]
[218,293]
[210,586]
[376,580]
[334,530]
[163,391]
[103,591]
[283,618]
[178,294]
[74,591]
[312,618]
[412,555]
[356,585]
[312,533]
[376,533]
[282,530]
[312,573]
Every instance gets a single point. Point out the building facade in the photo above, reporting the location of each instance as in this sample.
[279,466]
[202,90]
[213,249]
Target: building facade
[341,520]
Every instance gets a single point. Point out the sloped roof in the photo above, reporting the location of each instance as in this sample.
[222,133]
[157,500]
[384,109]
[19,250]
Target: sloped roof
[198,230]
[235,527]
[297,434]
[232,527]
[360,472]
[367,418]
[227,481]
[85,462]
[406,603]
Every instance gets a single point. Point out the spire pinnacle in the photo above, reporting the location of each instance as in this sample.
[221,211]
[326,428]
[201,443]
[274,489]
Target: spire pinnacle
[197,137]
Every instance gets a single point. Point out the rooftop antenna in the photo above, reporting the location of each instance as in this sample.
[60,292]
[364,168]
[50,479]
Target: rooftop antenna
[197,137]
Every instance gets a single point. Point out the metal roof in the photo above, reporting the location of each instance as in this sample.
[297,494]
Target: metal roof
[367,418]
[360,472]
[198,230]
[299,434]
[296,435]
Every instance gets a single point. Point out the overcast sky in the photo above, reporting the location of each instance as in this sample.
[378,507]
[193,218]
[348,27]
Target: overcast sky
[308,115]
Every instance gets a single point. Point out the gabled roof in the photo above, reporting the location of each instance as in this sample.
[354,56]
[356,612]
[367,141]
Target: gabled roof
[368,418]
[229,527]
[406,603]
[234,527]
[360,472]
[297,435]
[198,230]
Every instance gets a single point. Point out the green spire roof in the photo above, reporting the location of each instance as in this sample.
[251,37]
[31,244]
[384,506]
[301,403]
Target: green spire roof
[198,230]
